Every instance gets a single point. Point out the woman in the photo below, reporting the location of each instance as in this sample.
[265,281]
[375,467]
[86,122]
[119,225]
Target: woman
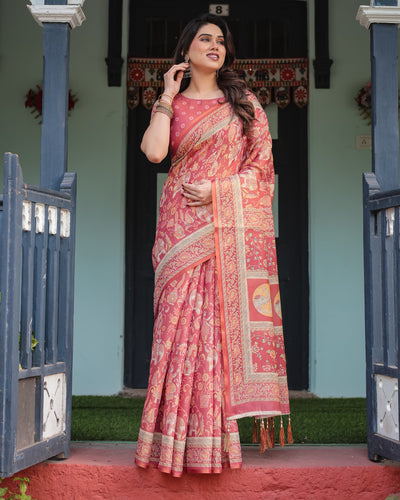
[218,351]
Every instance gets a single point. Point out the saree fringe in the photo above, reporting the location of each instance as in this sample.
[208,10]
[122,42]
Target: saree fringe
[264,433]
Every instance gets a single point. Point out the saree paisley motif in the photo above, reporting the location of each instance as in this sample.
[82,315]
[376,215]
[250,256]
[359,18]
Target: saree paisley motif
[218,350]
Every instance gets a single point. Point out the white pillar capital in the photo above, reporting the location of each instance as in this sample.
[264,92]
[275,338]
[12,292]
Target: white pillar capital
[71,13]
[367,15]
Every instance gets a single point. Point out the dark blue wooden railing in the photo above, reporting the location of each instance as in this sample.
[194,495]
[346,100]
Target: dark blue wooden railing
[382,314]
[37,228]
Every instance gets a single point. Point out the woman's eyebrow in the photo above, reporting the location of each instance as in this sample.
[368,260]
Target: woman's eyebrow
[208,34]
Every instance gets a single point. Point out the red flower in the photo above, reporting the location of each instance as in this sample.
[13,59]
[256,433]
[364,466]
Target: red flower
[363,100]
[363,97]
[34,99]
[72,100]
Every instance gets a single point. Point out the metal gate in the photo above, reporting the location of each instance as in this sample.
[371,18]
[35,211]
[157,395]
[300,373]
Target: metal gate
[37,228]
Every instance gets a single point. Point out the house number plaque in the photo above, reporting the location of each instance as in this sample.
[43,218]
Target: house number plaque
[220,9]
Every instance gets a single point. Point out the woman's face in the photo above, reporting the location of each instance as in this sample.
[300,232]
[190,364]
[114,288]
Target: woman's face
[207,50]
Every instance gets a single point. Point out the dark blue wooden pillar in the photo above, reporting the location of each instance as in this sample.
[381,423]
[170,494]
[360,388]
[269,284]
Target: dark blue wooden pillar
[385,98]
[385,126]
[56,39]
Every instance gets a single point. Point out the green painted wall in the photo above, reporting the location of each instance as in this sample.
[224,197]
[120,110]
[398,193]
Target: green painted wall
[97,132]
[337,366]
[97,143]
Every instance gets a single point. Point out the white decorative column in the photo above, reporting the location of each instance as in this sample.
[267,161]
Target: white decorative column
[70,13]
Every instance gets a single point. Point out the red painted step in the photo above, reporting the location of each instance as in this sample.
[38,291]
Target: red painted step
[106,471]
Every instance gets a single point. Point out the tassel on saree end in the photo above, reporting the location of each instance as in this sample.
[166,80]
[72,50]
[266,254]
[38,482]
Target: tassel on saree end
[262,436]
[227,439]
[227,442]
[255,431]
[282,434]
[268,435]
[272,431]
[289,432]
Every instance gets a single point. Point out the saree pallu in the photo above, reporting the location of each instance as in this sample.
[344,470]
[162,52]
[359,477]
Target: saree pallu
[218,351]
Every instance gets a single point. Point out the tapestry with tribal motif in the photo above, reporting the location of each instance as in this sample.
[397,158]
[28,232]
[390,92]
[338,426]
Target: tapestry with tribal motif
[272,80]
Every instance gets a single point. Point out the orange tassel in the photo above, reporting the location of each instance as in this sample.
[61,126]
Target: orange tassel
[255,431]
[282,434]
[227,439]
[262,436]
[272,430]
[268,435]
[289,432]
[227,442]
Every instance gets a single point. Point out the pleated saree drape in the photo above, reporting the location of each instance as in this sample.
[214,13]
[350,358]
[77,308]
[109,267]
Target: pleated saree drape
[218,351]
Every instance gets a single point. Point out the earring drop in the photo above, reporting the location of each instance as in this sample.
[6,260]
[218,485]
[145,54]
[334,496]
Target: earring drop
[187,73]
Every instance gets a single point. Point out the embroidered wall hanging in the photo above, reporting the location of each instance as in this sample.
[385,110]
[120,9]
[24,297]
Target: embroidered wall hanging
[272,80]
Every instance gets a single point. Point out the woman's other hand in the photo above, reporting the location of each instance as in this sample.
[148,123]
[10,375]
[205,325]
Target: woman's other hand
[198,194]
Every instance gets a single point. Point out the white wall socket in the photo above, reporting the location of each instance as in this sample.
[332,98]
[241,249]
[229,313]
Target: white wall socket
[364,141]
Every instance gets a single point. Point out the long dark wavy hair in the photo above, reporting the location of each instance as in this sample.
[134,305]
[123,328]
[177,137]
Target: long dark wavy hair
[233,87]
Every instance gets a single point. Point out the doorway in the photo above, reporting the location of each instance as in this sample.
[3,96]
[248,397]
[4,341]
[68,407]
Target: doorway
[268,30]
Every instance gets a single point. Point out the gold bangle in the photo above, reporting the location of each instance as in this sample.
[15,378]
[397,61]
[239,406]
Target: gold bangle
[165,105]
[165,109]
[166,95]
[161,101]
[164,112]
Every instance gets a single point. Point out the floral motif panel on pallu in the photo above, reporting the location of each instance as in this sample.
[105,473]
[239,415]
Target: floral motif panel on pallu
[273,80]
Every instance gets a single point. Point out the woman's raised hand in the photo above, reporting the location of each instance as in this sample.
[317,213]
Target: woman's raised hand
[173,78]
[198,194]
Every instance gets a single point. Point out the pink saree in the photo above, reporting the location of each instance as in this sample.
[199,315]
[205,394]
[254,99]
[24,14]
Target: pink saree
[218,351]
